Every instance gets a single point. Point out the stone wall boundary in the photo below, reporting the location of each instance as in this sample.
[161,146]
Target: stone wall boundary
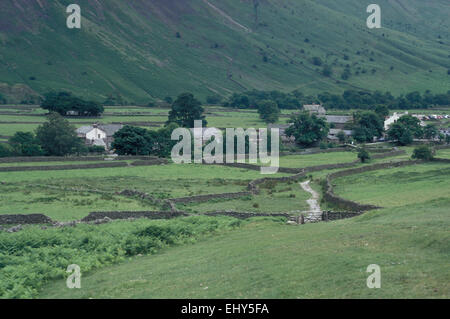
[349,205]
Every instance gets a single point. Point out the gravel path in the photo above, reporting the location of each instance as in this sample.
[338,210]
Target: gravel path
[313,202]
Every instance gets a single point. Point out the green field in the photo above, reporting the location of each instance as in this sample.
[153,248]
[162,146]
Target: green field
[277,197]
[72,194]
[398,186]
[264,259]
[222,257]
[445,153]
[300,161]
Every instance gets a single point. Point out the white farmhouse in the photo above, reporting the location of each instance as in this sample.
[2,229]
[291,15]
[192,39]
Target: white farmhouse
[99,134]
[392,119]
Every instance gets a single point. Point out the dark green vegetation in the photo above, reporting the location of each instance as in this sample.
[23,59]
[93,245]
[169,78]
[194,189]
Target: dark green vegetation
[131,140]
[308,129]
[363,155]
[57,137]
[268,111]
[140,51]
[32,257]
[423,153]
[185,110]
[65,103]
[405,130]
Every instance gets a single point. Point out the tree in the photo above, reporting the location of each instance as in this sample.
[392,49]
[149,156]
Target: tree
[5,151]
[317,61]
[214,99]
[168,100]
[327,70]
[342,137]
[430,132]
[65,102]
[423,152]
[346,74]
[132,140]
[400,133]
[268,111]
[368,125]
[363,155]
[25,144]
[185,110]
[382,110]
[441,137]
[162,141]
[57,137]
[308,129]
[447,139]
[412,124]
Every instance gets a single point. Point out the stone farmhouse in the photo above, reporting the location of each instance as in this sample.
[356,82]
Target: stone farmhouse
[333,134]
[314,109]
[99,134]
[338,121]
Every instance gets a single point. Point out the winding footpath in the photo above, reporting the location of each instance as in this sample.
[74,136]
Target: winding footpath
[314,212]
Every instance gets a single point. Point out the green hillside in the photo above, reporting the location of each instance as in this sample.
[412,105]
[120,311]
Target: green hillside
[132,47]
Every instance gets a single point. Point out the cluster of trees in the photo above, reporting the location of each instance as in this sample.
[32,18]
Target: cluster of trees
[252,99]
[64,103]
[55,137]
[268,111]
[131,140]
[408,127]
[350,99]
[367,126]
[308,130]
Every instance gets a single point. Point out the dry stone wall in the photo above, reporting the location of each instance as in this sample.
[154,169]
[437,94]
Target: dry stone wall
[127,215]
[24,219]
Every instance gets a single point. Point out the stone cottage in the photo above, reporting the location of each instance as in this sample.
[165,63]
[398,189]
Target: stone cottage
[99,134]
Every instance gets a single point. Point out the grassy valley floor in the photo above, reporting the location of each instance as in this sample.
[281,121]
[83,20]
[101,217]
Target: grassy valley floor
[265,259]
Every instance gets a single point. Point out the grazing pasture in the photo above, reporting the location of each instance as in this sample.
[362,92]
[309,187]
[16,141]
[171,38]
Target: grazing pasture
[267,259]
[397,186]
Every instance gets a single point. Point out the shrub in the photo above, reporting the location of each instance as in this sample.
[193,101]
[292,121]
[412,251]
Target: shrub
[327,71]
[363,155]
[317,61]
[5,151]
[422,152]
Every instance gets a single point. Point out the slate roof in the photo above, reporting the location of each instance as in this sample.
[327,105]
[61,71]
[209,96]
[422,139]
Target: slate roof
[335,131]
[84,129]
[338,119]
[109,129]
[314,108]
